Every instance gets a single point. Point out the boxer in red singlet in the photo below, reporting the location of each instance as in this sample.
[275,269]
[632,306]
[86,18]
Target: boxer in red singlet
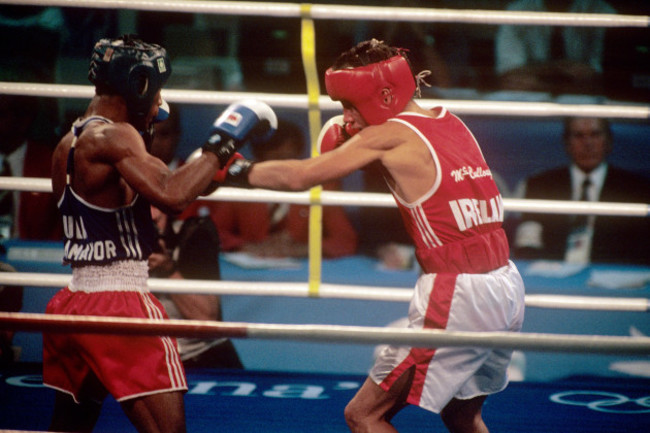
[453,212]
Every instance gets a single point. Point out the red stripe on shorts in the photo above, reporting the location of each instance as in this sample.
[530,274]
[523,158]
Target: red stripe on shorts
[436,317]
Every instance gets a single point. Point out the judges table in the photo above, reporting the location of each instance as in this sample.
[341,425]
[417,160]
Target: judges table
[281,355]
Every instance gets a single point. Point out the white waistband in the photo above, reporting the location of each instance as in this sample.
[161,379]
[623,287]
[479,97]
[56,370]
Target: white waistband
[118,276]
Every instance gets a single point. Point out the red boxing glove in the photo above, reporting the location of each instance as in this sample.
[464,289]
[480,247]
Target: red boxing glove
[220,175]
[335,132]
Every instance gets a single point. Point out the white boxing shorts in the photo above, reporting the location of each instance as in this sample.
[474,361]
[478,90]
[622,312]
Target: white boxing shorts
[490,302]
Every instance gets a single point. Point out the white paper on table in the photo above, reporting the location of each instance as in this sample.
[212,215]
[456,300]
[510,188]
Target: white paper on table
[553,269]
[639,367]
[249,261]
[619,279]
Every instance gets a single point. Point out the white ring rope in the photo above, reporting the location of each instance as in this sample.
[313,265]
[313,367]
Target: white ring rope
[326,291]
[342,12]
[340,198]
[327,333]
[462,107]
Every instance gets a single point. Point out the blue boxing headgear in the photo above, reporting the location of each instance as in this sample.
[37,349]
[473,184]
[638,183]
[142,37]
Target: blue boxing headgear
[132,69]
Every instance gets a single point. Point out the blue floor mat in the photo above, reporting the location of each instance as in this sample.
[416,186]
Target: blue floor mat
[267,402]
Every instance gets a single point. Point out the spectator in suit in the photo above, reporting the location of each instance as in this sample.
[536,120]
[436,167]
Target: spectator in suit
[589,177]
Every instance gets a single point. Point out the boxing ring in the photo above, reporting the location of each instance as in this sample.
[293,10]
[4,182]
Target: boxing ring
[256,399]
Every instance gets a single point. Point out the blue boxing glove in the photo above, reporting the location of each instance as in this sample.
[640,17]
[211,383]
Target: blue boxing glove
[244,121]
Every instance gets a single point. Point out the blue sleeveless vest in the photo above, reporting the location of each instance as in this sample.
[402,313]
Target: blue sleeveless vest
[97,236]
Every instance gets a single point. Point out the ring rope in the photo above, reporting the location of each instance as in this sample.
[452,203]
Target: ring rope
[340,198]
[308,48]
[462,107]
[327,333]
[341,12]
[326,291]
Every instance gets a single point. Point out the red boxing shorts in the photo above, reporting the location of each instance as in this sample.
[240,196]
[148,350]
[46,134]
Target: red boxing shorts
[87,366]
[493,301]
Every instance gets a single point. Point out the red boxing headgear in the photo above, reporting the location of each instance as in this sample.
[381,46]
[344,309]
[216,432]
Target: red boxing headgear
[364,87]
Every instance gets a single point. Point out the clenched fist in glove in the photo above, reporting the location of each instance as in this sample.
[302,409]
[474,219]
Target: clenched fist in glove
[334,133]
[245,121]
[241,122]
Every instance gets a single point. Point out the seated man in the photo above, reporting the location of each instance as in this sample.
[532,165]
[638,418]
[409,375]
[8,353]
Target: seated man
[589,177]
